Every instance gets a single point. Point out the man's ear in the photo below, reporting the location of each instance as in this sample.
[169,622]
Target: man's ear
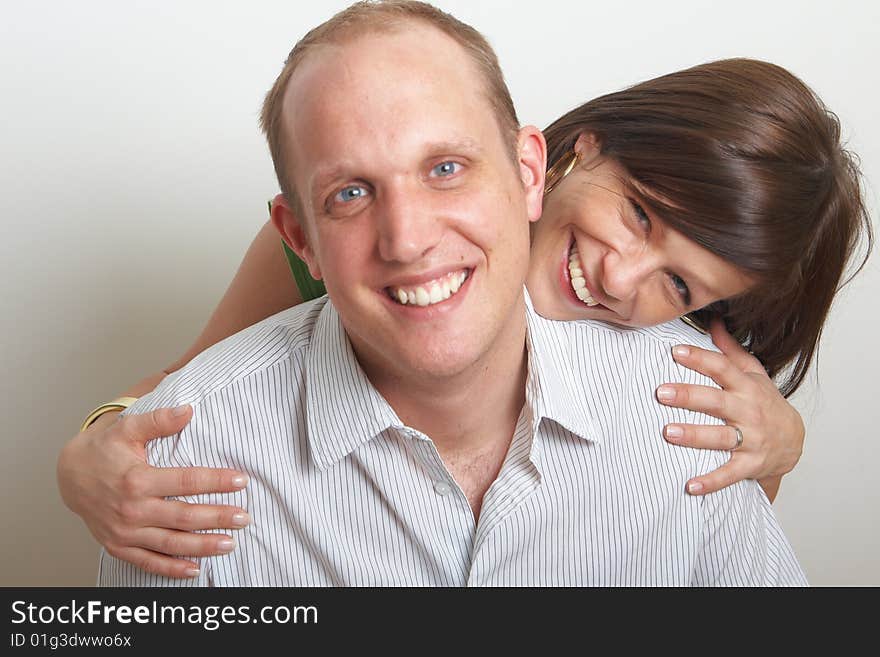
[532,154]
[290,226]
[589,148]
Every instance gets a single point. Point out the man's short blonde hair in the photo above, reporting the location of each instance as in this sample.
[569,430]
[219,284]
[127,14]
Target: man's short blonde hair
[383,16]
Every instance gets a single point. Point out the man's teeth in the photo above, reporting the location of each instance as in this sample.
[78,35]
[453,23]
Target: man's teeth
[578,282]
[431,292]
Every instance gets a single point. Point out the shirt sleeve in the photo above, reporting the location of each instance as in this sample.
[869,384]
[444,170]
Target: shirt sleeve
[743,543]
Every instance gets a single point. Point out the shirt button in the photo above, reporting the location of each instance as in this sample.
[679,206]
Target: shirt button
[442,488]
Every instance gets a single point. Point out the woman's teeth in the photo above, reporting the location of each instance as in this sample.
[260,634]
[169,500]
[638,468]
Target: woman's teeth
[431,292]
[578,282]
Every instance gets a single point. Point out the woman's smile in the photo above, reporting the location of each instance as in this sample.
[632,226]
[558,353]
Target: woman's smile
[581,287]
[598,254]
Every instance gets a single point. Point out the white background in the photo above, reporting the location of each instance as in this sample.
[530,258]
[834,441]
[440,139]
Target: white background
[134,176]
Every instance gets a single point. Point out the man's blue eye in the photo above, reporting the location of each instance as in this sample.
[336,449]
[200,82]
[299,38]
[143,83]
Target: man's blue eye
[350,193]
[445,169]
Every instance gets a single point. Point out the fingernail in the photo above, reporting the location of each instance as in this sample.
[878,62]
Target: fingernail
[694,487]
[681,351]
[177,411]
[674,431]
[241,519]
[665,393]
[192,572]
[226,545]
[240,481]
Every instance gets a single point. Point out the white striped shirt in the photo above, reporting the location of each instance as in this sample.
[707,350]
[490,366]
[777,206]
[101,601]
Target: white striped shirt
[343,494]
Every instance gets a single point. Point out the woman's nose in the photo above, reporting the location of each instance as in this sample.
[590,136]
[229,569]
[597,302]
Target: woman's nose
[625,273]
[619,283]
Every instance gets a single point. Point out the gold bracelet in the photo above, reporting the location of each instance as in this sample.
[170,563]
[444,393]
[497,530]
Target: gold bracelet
[118,404]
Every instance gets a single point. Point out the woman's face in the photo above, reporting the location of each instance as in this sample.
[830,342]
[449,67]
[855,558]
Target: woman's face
[598,254]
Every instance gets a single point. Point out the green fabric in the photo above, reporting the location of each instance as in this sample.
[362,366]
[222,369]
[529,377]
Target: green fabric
[309,288]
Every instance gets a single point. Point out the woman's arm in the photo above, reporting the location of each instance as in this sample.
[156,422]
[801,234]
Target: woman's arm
[102,472]
[772,429]
[262,286]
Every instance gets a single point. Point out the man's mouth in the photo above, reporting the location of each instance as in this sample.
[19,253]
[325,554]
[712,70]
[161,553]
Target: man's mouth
[431,292]
[576,275]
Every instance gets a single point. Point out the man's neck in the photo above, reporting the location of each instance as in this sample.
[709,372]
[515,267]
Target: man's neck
[461,415]
[471,416]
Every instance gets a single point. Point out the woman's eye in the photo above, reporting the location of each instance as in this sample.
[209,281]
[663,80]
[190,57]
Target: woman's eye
[642,216]
[681,289]
[445,169]
[350,193]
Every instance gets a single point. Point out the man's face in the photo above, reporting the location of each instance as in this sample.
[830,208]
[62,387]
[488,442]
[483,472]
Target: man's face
[415,213]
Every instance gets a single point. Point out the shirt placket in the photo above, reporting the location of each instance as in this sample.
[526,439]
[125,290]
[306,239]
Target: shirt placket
[456,522]
[518,479]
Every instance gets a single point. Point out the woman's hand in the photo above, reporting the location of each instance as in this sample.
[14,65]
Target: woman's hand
[103,476]
[772,430]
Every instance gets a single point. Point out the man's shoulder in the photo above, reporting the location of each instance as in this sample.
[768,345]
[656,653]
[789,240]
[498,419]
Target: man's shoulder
[277,339]
[614,371]
[662,335]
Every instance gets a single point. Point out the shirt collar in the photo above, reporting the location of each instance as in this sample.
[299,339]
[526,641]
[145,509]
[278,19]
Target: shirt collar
[343,409]
[560,386]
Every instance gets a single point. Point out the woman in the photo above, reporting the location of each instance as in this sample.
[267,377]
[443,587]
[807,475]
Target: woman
[719,190]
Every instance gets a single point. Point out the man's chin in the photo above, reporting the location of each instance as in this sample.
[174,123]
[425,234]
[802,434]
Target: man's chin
[440,361]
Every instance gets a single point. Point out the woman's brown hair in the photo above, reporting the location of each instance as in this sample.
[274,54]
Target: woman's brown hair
[743,158]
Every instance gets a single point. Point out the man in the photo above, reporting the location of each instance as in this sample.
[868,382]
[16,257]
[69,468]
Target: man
[423,426]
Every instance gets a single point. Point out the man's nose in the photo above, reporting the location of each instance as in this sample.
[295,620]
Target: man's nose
[407,227]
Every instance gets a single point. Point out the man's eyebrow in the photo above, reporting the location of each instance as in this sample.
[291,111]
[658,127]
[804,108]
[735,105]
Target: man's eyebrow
[466,145]
[323,178]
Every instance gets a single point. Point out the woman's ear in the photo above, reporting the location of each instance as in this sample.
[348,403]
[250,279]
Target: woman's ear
[532,154]
[588,147]
[293,232]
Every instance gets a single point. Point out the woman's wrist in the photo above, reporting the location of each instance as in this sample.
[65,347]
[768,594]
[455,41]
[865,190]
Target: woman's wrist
[117,405]
[112,409]
[105,420]
[771,486]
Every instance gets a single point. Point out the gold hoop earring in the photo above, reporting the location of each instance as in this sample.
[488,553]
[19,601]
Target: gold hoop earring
[690,321]
[560,169]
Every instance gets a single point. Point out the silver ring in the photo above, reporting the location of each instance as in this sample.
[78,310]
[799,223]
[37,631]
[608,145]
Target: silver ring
[739,438]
